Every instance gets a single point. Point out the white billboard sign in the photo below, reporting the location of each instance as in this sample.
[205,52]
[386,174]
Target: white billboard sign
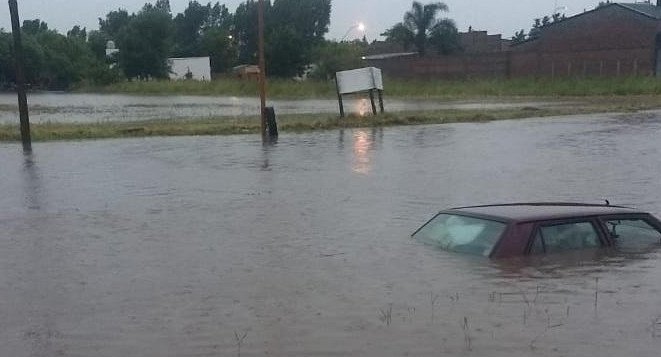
[197,68]
[359,80]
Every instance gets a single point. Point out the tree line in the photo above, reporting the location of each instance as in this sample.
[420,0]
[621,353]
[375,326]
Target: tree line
[147,38]
[295,39]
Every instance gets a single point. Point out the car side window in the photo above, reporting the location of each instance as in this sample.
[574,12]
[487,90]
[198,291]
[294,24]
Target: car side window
[565,237]
[633,234]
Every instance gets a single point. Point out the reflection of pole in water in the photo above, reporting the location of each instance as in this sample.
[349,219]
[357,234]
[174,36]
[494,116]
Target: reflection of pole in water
[32,182]
[267,145]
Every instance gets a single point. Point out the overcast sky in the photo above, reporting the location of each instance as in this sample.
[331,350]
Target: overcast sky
[496,16]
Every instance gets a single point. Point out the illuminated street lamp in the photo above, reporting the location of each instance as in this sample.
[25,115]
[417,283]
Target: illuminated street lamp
[359,26]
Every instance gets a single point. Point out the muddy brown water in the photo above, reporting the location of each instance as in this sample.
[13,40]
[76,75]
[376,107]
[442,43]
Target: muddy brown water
[169,246]
[94,108]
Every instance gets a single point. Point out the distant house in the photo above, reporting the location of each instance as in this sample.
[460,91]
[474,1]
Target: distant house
[246,71]
[195,68]
[482,42]
[616,39]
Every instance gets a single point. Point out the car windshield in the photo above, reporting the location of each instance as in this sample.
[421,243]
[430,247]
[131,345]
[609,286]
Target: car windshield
[461,234]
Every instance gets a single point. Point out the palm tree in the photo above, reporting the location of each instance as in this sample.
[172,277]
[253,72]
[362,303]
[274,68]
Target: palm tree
[421,19]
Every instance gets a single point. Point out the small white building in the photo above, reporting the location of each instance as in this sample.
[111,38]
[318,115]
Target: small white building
[196,68]
[111,48]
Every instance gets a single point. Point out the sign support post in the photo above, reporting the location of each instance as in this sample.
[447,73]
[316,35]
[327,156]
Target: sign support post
[372,101]
[339,98]
[360,80]
[383,109]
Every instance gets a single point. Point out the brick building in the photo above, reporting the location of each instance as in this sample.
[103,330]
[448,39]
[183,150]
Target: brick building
[482,42]
[618,39]
[613,40]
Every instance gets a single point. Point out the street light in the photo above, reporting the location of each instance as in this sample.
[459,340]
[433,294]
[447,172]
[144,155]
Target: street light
[359,26]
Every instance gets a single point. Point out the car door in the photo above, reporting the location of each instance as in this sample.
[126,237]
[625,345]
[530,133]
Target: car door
[566,235]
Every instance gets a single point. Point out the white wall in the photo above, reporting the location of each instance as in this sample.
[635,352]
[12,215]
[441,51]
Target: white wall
[200,67]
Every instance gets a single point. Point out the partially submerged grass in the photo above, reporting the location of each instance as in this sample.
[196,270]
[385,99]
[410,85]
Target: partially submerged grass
[308,122]
[297,123]
[421,88]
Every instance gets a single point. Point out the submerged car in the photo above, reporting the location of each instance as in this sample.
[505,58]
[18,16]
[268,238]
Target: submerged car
[508,230]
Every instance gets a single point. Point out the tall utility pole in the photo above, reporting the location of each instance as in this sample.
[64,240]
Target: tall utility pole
[20,77]
[262,65]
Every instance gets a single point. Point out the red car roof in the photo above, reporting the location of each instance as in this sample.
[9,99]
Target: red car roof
[542,211]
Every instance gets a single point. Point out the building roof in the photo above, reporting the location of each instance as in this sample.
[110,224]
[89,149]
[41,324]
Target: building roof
[543,211]
[388,56]
[649,10]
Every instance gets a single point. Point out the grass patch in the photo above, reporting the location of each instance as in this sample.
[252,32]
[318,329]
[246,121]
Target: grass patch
[307,122]
[280,88]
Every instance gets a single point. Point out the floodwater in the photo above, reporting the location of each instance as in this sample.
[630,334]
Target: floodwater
[95,108]
[219,246]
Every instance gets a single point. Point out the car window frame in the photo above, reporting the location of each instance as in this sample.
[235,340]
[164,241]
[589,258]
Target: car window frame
[647,218]
[597,225]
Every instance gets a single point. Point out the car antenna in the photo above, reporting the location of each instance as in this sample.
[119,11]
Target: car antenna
[608,203]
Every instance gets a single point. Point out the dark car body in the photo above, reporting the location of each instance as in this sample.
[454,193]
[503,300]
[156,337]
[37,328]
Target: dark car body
[525,225]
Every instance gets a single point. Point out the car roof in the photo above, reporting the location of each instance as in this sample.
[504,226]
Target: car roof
[524,212]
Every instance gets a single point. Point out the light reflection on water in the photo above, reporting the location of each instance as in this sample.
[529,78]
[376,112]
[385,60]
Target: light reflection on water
[167,246]
[362,150]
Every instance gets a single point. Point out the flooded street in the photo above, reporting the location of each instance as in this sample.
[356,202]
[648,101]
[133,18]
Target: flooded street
[219,246]
[95,108]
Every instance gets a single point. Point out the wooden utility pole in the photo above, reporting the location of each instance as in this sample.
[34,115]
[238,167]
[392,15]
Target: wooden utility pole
[262,65]
[20,76]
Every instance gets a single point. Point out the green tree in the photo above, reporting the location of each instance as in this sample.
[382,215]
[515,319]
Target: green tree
[422,18]
[287,52]
[245,30]
[519,37]
[400,34]
[332,57]
[77,32]
[189,29]
[163,5]
[114,22]
[444,36]
[294,29]
[215,43]
[97,41]
[145,44]
[421,27]
[33,27]
[194,22]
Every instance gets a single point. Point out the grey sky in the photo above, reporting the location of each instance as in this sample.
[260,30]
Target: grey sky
[496,16]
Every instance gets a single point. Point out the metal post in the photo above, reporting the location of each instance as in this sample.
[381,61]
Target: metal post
[339,98]
[383,109]
[262,65]
[373,103]
[20,77]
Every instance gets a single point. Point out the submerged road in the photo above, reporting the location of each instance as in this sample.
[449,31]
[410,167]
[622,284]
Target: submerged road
[167,247]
